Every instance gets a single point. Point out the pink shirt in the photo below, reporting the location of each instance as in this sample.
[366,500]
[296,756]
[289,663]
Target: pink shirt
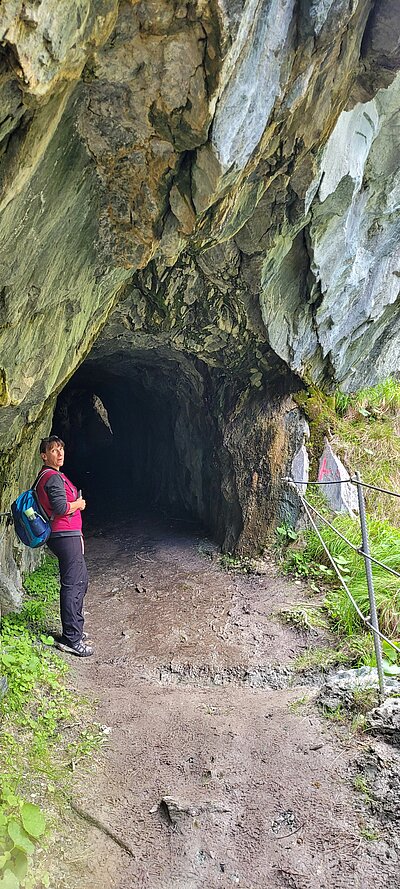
[61,521]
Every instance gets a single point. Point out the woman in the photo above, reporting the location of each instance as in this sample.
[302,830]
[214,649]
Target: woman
[60,501]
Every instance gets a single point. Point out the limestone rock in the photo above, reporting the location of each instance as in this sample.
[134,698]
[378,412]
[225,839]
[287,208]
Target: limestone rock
[10,592]
[339,687]
[343,496]
[50,41]
[243,108]
[345,261]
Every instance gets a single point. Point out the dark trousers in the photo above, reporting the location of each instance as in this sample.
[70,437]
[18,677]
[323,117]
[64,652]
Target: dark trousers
[74,583]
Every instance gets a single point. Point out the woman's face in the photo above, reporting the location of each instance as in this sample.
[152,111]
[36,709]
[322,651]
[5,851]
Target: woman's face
[54,456]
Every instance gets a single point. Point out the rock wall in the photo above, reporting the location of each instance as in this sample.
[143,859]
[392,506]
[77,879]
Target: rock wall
[218,178]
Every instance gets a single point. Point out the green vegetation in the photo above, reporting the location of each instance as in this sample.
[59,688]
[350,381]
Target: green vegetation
[321,659]
[385,546]
[298,705]
[285,534]
[36,744]
[312,563]
[364,699]
[334,714]
[364,430]
[361,785]
[380,400]
[304,617]
[368,833]
[367,437]
[356,704]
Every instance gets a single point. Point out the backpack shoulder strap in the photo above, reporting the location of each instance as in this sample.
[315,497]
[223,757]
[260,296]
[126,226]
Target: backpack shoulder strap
[34,486]
[40,475]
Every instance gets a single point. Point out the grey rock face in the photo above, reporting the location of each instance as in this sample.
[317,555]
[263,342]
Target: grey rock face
[300,469]
[244,106]
[338,279]
[10,592]
[343,496]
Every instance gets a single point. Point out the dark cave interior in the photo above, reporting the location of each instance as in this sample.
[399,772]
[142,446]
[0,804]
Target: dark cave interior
[152,430]
[140,437]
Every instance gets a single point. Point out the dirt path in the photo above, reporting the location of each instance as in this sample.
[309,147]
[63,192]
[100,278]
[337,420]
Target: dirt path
[219,771]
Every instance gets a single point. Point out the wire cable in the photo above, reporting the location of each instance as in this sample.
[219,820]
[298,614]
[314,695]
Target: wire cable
[375,488]
[339,481]
[343,582]
[344,481]
[357,549]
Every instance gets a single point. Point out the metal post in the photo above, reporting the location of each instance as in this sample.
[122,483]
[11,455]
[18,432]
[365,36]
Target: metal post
[370,583]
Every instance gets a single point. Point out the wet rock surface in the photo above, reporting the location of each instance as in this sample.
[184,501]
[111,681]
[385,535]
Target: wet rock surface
[209,784]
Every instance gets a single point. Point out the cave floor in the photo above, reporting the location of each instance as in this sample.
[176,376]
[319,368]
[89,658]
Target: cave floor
[218,770]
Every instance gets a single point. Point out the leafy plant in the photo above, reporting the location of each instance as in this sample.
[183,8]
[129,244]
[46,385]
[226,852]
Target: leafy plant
[285,534]
[299,563]
[21,825]
[33,713]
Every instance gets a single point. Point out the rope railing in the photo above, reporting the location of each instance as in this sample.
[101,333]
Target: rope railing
[370,621]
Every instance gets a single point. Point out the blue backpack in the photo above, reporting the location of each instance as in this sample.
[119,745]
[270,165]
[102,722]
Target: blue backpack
[32,525]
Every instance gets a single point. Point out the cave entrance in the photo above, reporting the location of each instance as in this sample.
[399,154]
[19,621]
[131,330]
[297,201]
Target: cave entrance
[140,437]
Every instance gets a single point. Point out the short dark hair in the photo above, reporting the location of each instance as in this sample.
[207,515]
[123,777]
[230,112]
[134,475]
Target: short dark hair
[46,442]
